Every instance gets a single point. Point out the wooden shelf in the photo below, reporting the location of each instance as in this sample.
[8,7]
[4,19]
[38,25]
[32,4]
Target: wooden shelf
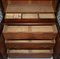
[30,6]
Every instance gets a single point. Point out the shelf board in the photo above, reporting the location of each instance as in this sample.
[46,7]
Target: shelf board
[37,6]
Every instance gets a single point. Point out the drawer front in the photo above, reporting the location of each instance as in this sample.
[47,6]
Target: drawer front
[29,35]
[42,18]
[30,44]
[31,21]
[30,53]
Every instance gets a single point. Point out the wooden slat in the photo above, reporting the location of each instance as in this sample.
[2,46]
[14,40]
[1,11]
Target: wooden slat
[29,51]
[29,41]
[14,23]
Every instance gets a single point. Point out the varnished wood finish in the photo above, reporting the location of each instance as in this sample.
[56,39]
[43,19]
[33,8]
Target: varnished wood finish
[30,18]
[30,44]
[57,46]
[30,6]
[40,21]
[3,51]
[30,25]
[29,32]
[44,54]
[4,3]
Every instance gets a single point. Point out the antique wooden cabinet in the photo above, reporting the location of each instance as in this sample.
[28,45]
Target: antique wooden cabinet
[29,27]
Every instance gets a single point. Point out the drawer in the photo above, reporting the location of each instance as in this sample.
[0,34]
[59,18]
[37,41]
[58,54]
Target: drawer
[29,21]
[30,16]
[30,44]
[42,18]
[30,53]
[30,32]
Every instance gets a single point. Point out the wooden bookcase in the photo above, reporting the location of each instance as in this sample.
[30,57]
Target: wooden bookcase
[30,27]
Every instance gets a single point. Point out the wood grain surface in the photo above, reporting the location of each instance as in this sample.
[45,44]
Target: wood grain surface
[29,32]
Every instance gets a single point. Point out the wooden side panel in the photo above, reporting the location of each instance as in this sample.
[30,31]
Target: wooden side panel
[57,46]
[3,50]
[54,4]
[5,3]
